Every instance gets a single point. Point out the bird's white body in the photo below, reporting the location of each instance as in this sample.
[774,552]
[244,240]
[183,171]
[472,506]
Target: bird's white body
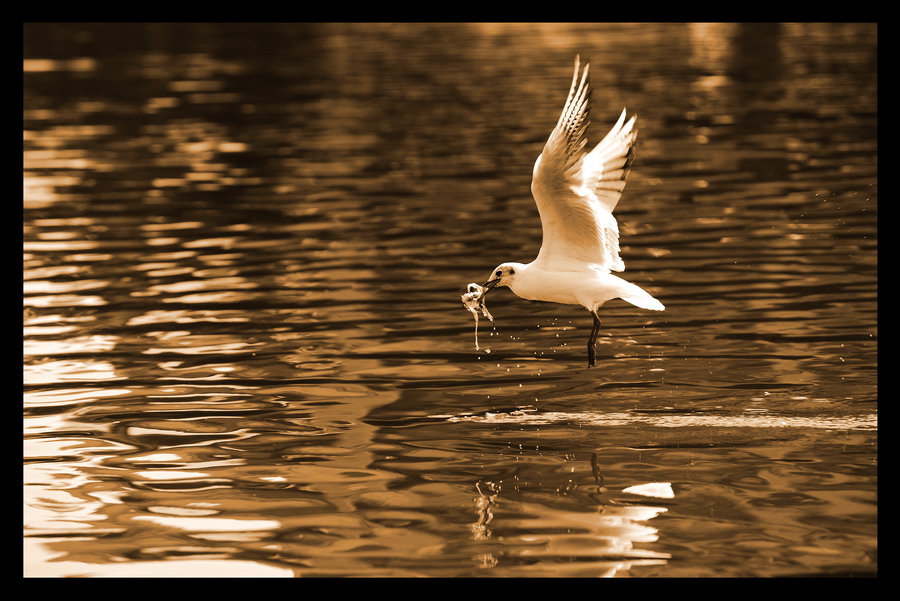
[576,192]
[588,287]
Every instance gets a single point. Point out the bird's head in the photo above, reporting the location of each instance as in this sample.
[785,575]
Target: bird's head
[503,275]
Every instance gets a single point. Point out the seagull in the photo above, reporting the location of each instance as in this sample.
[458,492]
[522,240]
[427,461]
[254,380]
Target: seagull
[576,192]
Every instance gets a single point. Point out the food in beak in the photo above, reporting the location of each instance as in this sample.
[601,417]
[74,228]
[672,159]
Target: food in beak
[473,300]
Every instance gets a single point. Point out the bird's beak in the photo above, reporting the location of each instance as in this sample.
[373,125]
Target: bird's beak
[490,285]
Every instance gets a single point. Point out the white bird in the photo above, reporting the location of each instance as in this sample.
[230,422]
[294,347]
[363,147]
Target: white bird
[576,192]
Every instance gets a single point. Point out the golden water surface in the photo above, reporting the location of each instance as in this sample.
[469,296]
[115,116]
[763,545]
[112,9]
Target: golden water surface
[244,350]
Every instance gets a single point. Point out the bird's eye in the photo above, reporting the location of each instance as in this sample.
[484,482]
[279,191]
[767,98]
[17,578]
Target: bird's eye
[499,272]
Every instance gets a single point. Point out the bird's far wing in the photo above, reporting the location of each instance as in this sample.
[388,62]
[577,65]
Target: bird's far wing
[604,169]
[571,196]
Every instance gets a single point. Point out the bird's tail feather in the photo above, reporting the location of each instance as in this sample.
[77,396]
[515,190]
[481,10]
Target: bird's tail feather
[644,301]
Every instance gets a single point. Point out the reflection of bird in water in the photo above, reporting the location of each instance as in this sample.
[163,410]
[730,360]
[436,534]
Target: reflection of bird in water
[556,539]
[576,192]
[661,490]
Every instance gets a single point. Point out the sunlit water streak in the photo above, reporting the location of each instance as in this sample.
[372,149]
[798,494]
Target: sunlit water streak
[245,353]
[524,417]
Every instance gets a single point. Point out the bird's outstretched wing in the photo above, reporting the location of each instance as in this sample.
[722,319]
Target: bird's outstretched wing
[576,191]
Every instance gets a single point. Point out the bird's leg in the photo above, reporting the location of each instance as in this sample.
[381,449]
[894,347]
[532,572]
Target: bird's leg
[592,341]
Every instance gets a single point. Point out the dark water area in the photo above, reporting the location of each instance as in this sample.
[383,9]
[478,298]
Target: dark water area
[245,352]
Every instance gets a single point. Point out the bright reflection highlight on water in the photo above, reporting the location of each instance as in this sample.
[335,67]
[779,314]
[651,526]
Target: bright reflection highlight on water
[245,355]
